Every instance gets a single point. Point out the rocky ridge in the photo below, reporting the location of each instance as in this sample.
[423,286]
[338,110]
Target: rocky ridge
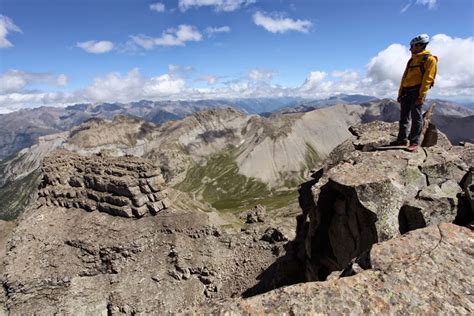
[365,237]
[363,196]
[376,233]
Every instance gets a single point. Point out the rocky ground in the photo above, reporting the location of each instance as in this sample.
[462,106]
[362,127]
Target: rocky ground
[77,249]
[375,235]
[363,195]
[376,232]
[425,272]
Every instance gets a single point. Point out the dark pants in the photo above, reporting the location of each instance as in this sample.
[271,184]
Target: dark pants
[408,108]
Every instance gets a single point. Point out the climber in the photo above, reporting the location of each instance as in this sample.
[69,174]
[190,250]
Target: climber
[417,79]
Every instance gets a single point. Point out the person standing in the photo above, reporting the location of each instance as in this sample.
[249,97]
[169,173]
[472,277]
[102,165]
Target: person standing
[417,79]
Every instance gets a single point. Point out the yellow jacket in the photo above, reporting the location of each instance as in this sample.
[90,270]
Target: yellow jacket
[413,75]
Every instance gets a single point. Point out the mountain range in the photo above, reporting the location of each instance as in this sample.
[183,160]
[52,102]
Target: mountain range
[213,154]
[21,129]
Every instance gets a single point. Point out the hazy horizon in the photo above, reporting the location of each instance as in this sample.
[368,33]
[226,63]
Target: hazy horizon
[59,53]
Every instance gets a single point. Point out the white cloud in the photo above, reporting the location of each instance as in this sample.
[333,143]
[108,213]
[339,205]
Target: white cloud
[406,7]
[210,79]
[214,30]
[389,64]
[314,80]
[14,81]
[219,5]
[431,4]
[143,41]
[7,26]
[346,75]
[96,47]
[132,86]
[158,7]
[280,24]
[171,37]
[261,75]
[381,78]
[15,101]
[455,65]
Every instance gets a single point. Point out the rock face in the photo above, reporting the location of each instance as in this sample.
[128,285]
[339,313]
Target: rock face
[362,196]
[426,271]
[122,186]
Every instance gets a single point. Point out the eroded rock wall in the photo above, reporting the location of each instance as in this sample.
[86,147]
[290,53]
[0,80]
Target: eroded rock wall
[121,186]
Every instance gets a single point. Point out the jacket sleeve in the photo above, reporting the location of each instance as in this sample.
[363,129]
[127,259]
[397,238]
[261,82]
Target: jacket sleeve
[429,77]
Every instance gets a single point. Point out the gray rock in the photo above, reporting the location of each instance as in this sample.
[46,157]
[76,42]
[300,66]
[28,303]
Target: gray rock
[401,281]
[256,215]
[370,196]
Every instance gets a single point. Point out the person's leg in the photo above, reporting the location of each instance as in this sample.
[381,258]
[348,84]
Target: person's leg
[416,124]
[404,119]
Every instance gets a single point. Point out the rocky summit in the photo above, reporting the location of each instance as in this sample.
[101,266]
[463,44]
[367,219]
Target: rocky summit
[427,272]
[381,230]
[376,233]
[365,195]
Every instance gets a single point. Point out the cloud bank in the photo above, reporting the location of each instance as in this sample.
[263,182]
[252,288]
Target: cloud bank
[381,78]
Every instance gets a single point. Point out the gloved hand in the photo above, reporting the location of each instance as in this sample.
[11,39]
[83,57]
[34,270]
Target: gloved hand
[419,102]
[399,99]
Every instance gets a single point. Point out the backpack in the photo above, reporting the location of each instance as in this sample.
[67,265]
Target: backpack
[422,66]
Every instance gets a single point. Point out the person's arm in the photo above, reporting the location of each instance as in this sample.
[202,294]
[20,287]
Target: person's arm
[400,90]
[428,78]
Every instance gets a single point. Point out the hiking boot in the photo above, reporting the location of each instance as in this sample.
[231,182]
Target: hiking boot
[412,148]
[397,142]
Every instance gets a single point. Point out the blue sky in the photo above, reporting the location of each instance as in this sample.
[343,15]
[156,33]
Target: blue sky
[58,52]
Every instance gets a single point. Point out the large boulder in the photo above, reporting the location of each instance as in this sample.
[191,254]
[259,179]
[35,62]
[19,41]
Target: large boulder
[364,196]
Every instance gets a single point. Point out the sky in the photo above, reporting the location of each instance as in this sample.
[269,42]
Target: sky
[62,52]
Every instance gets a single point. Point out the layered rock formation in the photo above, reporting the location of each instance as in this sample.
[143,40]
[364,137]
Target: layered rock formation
[122,186]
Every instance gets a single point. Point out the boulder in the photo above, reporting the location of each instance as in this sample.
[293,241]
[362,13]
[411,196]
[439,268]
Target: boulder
[256,215]
[364,196]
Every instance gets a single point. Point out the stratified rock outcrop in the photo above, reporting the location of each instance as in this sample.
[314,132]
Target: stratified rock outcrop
[122,186]
[364,196]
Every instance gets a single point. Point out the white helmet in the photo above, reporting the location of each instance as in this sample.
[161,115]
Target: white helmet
[420,39]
